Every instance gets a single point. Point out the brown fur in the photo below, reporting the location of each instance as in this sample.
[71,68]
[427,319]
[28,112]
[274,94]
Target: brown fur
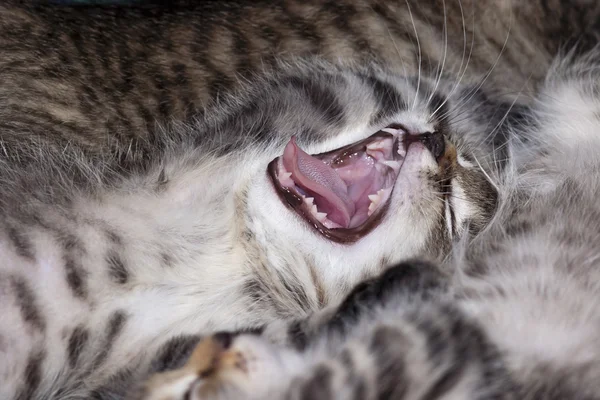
[102,77]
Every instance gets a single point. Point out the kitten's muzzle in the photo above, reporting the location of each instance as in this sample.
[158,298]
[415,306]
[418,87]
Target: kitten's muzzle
[344,193]
[433,141]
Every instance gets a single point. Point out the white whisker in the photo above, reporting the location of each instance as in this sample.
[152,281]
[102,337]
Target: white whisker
[419,55]
[441,68]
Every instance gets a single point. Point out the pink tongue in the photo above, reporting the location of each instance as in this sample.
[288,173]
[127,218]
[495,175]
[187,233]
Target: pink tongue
[321,180]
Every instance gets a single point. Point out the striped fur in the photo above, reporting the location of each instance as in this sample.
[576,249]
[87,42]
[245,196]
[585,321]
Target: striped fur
[103,77]
[107,265]
[134,210]
[512,316]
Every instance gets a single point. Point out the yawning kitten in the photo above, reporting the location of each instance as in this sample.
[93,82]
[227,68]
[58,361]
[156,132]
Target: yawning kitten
[310,180]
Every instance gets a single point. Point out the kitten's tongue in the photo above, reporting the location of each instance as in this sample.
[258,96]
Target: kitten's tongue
[320,181]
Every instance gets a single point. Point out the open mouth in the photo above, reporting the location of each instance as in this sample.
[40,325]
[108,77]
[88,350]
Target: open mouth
[342,193]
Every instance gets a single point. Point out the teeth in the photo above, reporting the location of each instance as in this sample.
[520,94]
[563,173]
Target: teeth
[373,197]
[379,145]
[319,216]
[393,131]
[376,200]
[285,179]
[395,165]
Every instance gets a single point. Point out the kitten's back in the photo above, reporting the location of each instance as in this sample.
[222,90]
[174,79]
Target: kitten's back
[102,77]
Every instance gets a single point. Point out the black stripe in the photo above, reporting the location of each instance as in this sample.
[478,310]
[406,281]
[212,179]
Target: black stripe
[114,237]
[115,326]
[294,291]
[77,343]
[389,100]
[32,376]
[116,267]
[445,383]
[27,303]
[305,29]
[388,346]
[321,98]
[318,387]
[342,16]
[166,260]
[75,277]
[21,243]
[186,95]
[174,353]
[297,336]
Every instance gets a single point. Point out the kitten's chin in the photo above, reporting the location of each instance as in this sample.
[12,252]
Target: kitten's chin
[345,193]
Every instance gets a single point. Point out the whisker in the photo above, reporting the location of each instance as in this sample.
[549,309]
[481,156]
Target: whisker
[441,68]
[461,76]
[473,91]
[419,55]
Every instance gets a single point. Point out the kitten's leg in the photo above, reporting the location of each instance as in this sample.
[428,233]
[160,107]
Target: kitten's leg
[223,366]
[216,365]
[403,284]
[406,342]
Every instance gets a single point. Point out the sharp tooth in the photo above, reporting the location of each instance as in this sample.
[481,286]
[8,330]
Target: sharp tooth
[314,210]
[321,216]
[285,175]
[309,200]
[393,131]
[379,145]
[374,198]
[395,165]
[372,208]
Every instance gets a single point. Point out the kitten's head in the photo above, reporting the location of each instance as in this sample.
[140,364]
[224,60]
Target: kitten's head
[362,169]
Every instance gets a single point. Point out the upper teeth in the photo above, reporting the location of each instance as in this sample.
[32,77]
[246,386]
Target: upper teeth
[395,165]
[378,145]
[393,131]
[376,200]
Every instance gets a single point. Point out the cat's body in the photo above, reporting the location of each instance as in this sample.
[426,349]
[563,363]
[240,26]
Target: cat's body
[104,77]
[516,318]
[105,266]
[113,264]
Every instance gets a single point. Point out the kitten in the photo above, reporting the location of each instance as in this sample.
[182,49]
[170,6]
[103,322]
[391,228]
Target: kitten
[124,238]
[104,77]
[517,319]
[112,271]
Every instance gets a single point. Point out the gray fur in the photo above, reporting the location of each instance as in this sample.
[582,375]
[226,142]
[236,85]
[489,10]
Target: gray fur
[512,315]
[122,258]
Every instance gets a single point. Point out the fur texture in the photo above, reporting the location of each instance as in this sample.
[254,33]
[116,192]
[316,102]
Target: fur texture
[135,211]
[516,319]
[106,265]
[102,77]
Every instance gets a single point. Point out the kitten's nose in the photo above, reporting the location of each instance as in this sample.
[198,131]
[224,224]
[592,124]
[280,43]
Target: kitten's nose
[434,142]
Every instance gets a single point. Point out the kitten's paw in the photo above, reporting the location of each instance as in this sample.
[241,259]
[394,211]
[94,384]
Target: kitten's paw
[222,366]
